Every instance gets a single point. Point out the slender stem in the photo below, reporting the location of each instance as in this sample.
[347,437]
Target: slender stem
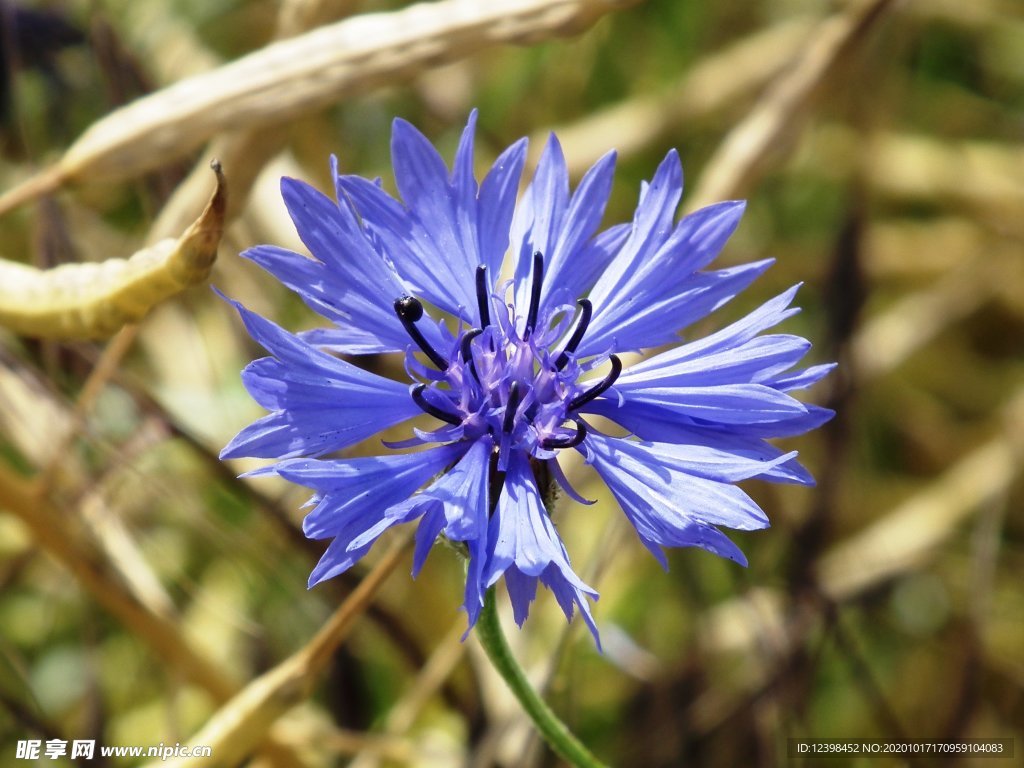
[555,732]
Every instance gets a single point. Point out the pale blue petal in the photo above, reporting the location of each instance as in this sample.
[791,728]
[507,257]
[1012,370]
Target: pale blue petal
[768,315]
[322,403]
[669,507]
[577,258]
[364,487]
[660,425]
[539,216]
[755,361]
[652,226]
[802,379]
[497,205]
[521,531]
[432,206]
[407,245]
[719,403]
[654,313]
[364,325]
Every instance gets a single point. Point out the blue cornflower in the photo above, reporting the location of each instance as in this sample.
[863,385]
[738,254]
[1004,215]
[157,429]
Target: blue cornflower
[520,365]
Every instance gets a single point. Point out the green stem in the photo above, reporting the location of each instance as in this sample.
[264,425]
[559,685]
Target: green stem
[558,736]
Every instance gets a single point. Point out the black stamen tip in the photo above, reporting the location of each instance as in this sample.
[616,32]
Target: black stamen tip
[409,309]
[483,299]
[586,311]
[538,281]
[514,396]
[437,413]
[467,342]
[566,442]
[594,391]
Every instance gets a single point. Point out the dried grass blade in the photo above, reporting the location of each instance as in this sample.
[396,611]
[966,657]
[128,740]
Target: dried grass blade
[720,79]
[242,724]
[159,632]
[772,123]
[302,74]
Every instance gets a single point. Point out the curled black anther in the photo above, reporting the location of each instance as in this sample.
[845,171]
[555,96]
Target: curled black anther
[590,394]
[483,299]
[467,351]
[467,342]
[514,396]
[586,310]
[409,310]
[535,286]
[433,410]
[566,442]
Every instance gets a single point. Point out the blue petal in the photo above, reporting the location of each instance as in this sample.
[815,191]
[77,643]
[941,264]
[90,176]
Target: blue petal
[581,269]
[719,403]
[365,325]
[353,496]
[652,225]
[363,488]
[538,219]
[758,360]
[653,314]
[521,531]
[353,281]
[568,595]
[429,529]
[336,560]
[523,540]
[768,315]
[710,463]
[497,205]
[461,496]
[572,268]
[667,506]
[522,590]
[802,379]
[660,425]
[440,235]
[409,248]
[797,424]
[322,402]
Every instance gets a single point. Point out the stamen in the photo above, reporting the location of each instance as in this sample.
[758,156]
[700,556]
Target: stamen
[483,299]
[467,351]
[514,396]
[433,410]
[566,442]
[590,394]
[586,310]
[538,280]
[495,482]
[467,341]
[409,310]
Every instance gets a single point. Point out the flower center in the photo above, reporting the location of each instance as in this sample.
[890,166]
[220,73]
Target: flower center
[507,382]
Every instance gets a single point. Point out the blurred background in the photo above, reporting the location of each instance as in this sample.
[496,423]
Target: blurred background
[879,146]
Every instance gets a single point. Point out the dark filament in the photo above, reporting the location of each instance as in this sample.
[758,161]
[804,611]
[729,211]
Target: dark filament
[566,442]
[586,310]
[510,408]
[483,300]
[421,401]
[538,280]
[409,310]
[495,483]
[467,351]
[590,394]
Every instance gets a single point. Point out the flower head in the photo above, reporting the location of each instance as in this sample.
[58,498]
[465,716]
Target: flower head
[513,370]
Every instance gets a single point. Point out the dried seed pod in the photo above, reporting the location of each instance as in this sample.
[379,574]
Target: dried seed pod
[91,301]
